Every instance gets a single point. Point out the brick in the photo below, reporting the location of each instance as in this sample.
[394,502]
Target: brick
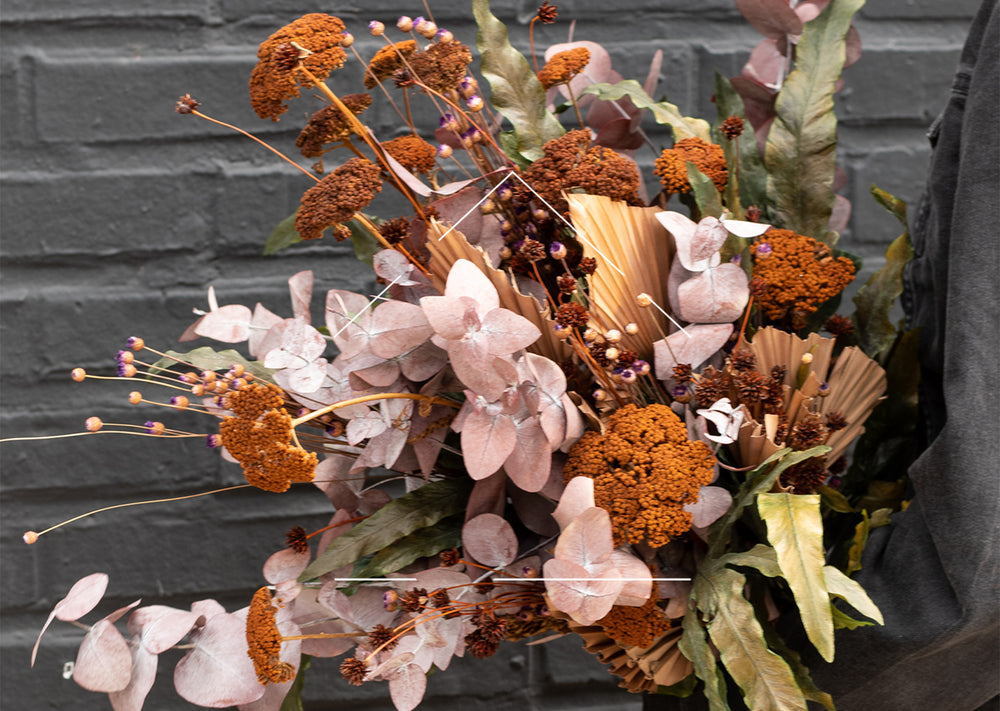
[105,213]
[31,11]
[898,84]
[131,98]
[920,9]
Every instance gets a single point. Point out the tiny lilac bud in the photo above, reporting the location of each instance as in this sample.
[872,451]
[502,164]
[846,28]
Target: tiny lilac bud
[389,598]
[611,353]
[628,375]
[763,250]
[78,375]
[376,28]
[444,151]
[505,252]
[613,336]
[475,103]
[179,401]
[154,428]
[30,537]
[504,193]
[135,397]
[540,215]
[428,29]
[681,394]
[590,335]
[468,87]
[488,207]
[562,331]
[404,23]
[346,39]
[641,367]
[600,395]
[444,36]
[125,356]
[135,343]
[736,259]
[93,424]
[558,250]
[213,441]
[824,389]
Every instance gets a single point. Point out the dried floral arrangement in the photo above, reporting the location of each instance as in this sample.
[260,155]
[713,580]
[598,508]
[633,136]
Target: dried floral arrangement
[611,418]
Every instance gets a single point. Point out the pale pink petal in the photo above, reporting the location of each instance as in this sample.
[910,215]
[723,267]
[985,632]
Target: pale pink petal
[104,662]
[577,497]
[300,286]
[698,344]
[407,686]
[715,296]
[587,540]
[229,324]
[144,664]
[466,279]
[487,441]
[490,540]
[712,503]
[81,599]
[285,565]
[218,672]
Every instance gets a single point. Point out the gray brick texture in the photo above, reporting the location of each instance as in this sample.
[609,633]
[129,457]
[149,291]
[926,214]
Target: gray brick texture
[117,214]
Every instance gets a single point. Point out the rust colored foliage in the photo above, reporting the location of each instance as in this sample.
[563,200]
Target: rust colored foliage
[441,67]
[275,79]
[387,60]
[801,273]
[563,66]
[633,626]
[572,161]
[671,166]
[259,437]
[336,198]
[329,125]
[264,641]
[645,469]
[413,153]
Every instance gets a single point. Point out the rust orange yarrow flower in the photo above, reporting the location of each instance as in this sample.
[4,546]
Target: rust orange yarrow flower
[573,161]
[264,641]
[260,438]
[335,199]
[413,153]
[645,470]
[633,626]
[329,125]
[441,67]
[387,60]
[276,79]
[563,66]
[671,166]
[801,273]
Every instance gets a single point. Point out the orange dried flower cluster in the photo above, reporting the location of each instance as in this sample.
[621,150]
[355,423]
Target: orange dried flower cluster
[387,60]
[441,67]
[671,166]
[260,438]
[329,125]
[264,641]
[801,273]
[572,161]
[635,626]
[413,153]
[336,198]
[275,79]
[645,470]
[563,66]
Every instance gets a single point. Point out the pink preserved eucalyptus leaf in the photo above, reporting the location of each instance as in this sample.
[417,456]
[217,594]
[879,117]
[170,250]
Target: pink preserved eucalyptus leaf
[698,344]
[490,540]
[229,324]
[160,627]
[772,18]
[584,597]
[508,332]
[715,296]
[810,9]
[333,479]
[104,662]
[393,267]
[637,582]
[218,672]
[712,503]
[853,40]
[577,497]
[466,279]
[447,315]
[407,685]
[285,565]
[619,135]
[587,540]
[398,327]
[81,599]
[462,212]
[300,286]
[265,331]
[144,664]
[487,441]
[841,214]
[488,496]
[528,464]
[766,64]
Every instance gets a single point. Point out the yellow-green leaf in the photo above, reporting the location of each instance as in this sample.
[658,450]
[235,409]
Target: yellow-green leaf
[761,558]
[795,529]
[514,89]
[663,111]
[802,143]
[694,646]
[850,591]
[766,680]
[858,544]
[834,499]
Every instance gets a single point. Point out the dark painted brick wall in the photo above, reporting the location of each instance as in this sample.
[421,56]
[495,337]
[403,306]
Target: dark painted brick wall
[117,214]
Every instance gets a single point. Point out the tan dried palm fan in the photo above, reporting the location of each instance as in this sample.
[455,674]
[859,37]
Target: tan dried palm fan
[640,669]
[633,253]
